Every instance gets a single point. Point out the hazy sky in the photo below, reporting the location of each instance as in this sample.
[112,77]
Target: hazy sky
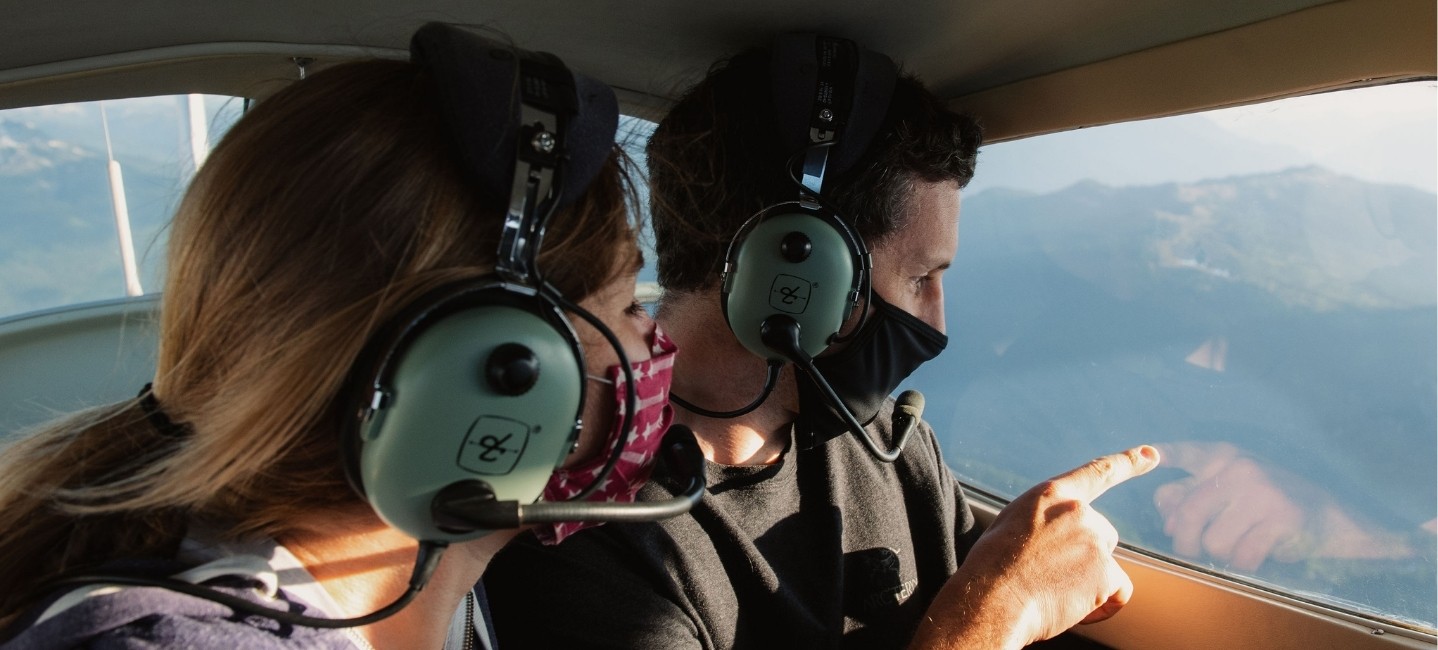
[1382,134]
[1386,134]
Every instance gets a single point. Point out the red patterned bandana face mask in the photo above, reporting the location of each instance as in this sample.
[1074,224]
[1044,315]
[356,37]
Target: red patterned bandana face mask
[651,420]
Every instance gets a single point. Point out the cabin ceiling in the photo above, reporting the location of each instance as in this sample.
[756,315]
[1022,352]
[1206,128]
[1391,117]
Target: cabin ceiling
[976,53]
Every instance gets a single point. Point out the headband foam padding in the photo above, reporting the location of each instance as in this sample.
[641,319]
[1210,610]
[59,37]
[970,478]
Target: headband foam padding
[468,68]
[794,74]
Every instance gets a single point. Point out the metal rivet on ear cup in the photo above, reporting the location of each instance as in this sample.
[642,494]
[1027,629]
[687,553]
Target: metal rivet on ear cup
[543,142]
[512,369]
[796,247]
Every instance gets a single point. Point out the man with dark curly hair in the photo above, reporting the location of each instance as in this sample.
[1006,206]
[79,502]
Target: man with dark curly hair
[804,538]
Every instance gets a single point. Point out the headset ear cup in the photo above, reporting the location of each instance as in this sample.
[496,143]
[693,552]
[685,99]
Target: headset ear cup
[486,384]
[796,262]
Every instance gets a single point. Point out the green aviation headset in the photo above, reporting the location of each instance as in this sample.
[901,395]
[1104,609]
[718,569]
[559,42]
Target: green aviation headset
[466,402]
[481,383]
[794,272]
[471,397]
[799,262]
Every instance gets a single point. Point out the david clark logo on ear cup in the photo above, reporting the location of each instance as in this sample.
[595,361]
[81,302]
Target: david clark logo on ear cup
[790,294]
[494,445]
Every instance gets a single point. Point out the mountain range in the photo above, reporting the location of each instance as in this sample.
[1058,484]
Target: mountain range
[1077,316]
[1306,235]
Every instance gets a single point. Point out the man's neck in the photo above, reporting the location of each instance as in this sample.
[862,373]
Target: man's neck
[713,371]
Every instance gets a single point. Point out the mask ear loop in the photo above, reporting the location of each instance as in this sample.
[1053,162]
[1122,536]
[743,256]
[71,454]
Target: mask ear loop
[630,397]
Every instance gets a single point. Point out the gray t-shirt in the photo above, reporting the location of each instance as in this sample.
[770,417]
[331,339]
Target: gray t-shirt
[827,548]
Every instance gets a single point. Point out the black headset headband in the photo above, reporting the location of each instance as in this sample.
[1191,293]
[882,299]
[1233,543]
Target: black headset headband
[565,125]
[829,89]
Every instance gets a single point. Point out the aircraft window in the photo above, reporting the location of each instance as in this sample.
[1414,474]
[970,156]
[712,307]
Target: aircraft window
[59,233]
[1252,290]
[633,135]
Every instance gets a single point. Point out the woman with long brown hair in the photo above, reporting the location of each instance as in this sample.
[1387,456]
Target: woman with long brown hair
[296,261]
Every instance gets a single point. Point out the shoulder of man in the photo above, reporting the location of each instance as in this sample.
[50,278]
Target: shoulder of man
[927,472]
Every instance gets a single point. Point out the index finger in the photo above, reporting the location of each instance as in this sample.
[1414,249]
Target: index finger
[1089,481]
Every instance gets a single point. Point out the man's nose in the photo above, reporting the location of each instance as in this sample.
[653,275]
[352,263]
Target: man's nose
[936,314]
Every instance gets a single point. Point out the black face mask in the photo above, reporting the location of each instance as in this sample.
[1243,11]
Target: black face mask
[891,346]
